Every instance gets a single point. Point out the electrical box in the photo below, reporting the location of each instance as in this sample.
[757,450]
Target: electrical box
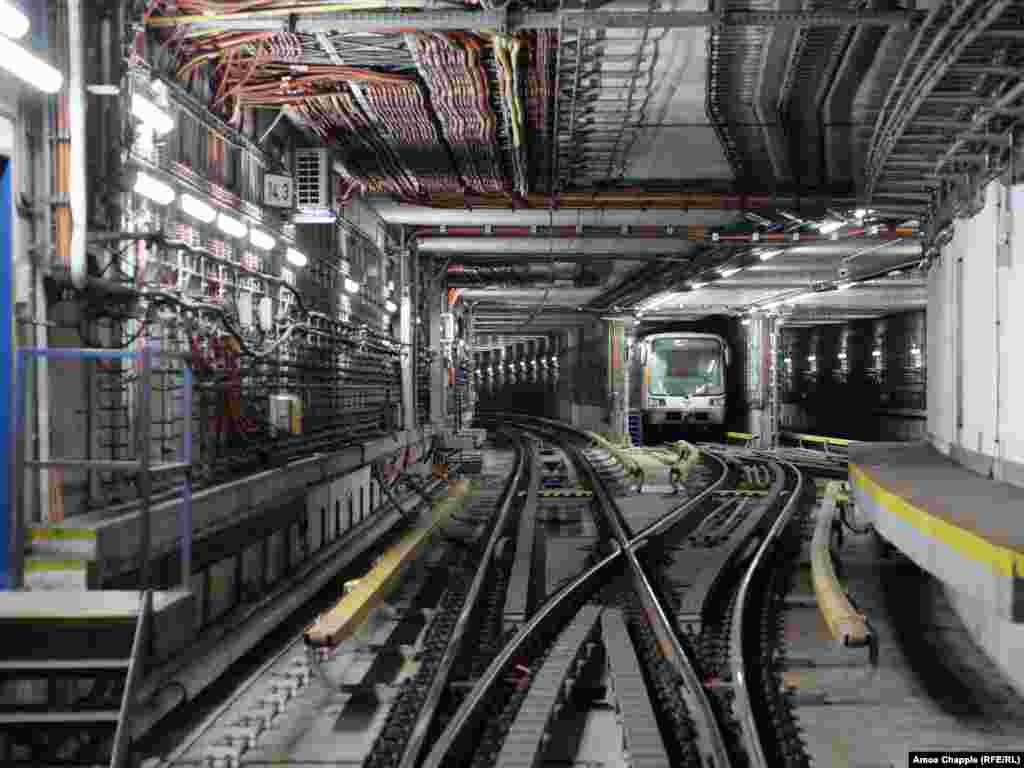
[286,414]
[266,313]
[245,308]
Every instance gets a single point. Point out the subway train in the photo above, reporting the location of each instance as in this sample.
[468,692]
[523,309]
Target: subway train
[680,382]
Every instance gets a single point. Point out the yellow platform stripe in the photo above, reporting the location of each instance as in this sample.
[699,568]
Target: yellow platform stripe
[1002,560]
[745,436]
[62,534]
[824,440]
[341,621]
[844,622]
[49,566]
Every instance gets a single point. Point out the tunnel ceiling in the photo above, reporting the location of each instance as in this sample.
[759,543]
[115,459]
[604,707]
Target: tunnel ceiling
[652,159]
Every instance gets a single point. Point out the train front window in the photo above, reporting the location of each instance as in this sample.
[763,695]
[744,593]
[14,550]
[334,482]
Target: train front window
[686,368]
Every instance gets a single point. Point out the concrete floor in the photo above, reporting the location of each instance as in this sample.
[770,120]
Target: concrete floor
[933,687]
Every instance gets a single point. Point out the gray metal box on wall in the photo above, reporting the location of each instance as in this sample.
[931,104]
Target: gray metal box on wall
[318,508]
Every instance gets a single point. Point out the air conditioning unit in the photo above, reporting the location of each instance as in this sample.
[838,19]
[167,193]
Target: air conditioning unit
[313,180]
[447,326]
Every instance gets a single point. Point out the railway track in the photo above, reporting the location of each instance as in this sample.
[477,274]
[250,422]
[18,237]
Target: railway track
[699,674]
[371,699]
[664,615]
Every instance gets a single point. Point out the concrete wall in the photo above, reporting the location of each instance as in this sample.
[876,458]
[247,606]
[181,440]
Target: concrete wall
[1000,639]
[974,412]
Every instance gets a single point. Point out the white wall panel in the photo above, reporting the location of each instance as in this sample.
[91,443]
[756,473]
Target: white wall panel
[1012,354]
[979,297]
[941,315]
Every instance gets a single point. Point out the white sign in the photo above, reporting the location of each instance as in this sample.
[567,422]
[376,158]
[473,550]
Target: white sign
[278,191]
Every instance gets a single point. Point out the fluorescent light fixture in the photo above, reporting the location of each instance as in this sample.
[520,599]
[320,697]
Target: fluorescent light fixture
[13,22]
[352,286]
[811,358]
[841,355]
[197,209]
[876,353]
[150,114]
[765,255]
[390,307]
[229,226]
[296,257]
[315,216]
[844,286]
[154,189]
[745,321]
[697,286]
[729,272]
[828,227]
[28,67]
[261,239]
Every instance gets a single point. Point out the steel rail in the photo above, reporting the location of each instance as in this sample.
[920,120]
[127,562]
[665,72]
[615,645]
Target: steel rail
[712,744]
[742,706]
[413,747]
[714,753]
[550,611]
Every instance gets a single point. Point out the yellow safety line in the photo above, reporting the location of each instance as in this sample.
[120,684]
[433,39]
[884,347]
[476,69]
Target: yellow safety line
[348,613]
[844,622]
[839,441]
[62,533]
[1001,559]
[44,566]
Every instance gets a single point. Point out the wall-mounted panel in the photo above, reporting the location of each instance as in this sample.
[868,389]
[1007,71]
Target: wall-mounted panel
[976,240]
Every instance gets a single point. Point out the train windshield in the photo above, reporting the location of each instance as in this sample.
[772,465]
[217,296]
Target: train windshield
[684,367]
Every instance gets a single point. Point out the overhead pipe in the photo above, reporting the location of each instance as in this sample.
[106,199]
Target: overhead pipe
[637,239]
[362,16]
[76,108]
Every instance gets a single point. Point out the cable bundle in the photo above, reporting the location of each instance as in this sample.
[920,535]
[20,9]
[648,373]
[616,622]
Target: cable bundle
[539,95]
[338,119]
[400,113]
[460,95]
[506,55]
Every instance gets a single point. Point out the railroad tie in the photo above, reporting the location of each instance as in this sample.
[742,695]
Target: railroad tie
[643,737]
[528,734]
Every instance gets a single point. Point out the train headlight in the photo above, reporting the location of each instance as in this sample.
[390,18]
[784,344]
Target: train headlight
[656,402]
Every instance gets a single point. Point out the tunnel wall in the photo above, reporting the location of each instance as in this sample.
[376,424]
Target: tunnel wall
[576,393]
[975,411]
[864,380]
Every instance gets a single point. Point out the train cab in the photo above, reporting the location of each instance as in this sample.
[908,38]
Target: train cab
[683,381]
